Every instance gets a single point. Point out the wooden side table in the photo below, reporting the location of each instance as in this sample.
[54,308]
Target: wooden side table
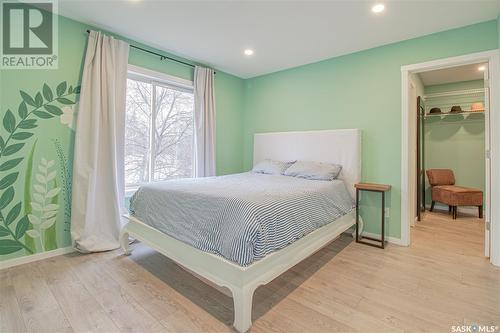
[381,188]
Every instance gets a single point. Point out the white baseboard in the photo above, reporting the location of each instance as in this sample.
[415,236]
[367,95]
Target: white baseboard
[35,257]
[390,239]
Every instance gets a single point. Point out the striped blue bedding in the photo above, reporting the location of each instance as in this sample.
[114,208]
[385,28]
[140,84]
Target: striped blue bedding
[241,217]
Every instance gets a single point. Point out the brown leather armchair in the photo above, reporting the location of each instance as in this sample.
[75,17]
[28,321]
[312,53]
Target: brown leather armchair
[445,191]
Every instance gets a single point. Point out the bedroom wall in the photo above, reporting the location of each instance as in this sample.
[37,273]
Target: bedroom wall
[49,146]
[498,31]
[360,90]
[456,143]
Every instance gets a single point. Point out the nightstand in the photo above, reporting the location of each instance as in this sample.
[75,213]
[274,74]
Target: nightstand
[380,188]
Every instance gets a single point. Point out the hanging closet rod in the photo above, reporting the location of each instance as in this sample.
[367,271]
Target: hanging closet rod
[162,57]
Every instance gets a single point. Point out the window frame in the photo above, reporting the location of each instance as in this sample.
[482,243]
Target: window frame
[162,80]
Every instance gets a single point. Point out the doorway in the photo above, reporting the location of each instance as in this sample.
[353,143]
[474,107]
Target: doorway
[481,81]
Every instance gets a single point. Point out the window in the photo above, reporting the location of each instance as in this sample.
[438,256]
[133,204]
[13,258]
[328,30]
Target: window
[158,130]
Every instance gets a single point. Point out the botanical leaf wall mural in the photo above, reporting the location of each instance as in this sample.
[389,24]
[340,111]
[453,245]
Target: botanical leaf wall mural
[29,224]
[28,241]
[50,234]
[65,169]
[44,206]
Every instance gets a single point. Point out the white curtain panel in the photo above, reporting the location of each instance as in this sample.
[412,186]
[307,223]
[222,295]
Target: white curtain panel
[98,174]
[204,122]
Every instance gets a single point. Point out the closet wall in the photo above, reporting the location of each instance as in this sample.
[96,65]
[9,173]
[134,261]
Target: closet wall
[456,142]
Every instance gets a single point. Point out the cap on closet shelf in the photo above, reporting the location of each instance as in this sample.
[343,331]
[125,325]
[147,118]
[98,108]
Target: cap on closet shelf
[435,110]
[456,109]
[477,107]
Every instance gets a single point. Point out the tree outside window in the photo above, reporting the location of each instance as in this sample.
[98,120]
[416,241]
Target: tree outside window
[158,132]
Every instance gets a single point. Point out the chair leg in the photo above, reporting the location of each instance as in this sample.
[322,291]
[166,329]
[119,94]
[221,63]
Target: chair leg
[432,206]
[454,212]
[480,208]
[449,209]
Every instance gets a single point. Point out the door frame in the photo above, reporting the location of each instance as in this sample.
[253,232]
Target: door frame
[408,180]
[412,92]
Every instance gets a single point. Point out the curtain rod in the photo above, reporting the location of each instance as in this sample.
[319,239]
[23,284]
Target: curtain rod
[162,57]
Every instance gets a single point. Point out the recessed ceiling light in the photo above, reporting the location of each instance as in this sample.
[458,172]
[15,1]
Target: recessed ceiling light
[248,52]
[481,68]
[378,8]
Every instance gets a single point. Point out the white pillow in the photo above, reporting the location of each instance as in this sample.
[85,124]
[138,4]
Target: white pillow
[313,170]
[271,167]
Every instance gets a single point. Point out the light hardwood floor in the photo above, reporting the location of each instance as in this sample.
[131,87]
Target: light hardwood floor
[441,280]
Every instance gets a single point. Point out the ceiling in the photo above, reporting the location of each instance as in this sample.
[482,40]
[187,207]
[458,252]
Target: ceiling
[284,34]
[452,74]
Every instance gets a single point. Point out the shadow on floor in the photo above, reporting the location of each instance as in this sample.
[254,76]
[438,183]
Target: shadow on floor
[217,303]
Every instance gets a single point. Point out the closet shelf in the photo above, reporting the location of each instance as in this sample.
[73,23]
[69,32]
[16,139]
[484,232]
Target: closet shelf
[452,114]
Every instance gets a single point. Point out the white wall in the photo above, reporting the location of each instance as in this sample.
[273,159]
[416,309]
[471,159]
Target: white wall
[416,89]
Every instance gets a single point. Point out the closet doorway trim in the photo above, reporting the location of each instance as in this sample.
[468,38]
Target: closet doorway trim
[492,58]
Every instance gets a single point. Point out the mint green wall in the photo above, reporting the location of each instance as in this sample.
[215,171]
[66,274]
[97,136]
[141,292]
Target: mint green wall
[454,142]
[72,42]
[360,90]
[498,30]
[229,99]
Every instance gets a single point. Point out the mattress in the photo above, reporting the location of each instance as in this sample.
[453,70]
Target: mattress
[241,217]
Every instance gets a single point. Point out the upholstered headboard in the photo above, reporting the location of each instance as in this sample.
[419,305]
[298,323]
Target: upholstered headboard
[342,146]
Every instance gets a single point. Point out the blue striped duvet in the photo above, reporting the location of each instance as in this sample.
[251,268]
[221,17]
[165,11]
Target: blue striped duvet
[242,217]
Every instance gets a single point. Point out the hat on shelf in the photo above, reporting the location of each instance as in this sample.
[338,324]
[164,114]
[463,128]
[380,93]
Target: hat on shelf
[456,109]
[477,107]
[435,111]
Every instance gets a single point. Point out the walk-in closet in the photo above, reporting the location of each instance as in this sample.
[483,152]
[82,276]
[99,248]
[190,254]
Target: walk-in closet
[451,110]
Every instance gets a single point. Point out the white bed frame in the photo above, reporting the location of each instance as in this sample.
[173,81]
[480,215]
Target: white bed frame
[332,146]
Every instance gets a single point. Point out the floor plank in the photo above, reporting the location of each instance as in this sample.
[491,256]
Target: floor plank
[11,319]
[83,311]
[40,310]
[119,305]
[163,300]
